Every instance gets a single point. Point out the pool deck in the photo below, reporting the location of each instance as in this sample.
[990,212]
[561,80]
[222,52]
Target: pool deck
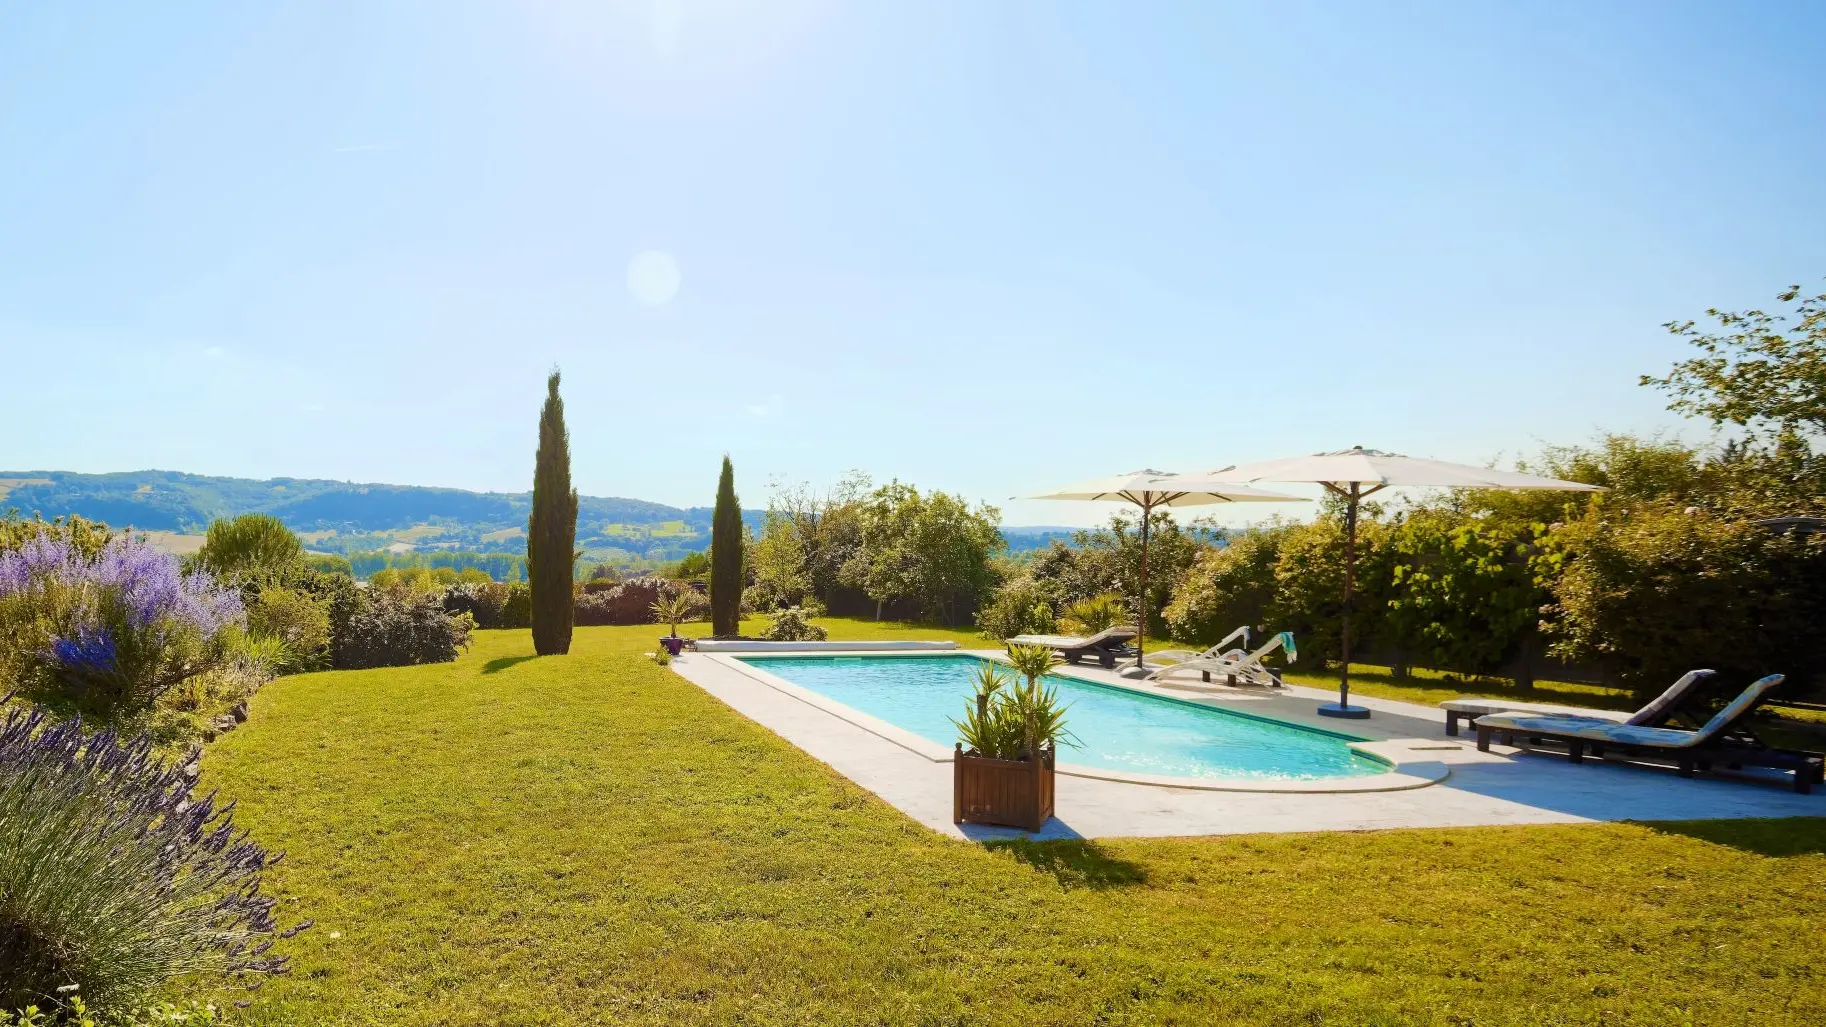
[1453,784]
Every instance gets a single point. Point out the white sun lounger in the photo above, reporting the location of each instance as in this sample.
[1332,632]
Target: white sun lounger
[1234,665]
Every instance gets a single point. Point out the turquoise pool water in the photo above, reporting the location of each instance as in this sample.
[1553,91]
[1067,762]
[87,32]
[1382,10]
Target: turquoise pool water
[1117,729]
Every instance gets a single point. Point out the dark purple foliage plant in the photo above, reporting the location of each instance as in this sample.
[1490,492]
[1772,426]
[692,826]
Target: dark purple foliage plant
[114,879]
[109,630]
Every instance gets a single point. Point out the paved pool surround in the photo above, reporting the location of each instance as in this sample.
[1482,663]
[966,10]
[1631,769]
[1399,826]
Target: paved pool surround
[1433,780]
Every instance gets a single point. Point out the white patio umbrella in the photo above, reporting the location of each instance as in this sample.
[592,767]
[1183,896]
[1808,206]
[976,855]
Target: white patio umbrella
[1345,474]
[1140,488]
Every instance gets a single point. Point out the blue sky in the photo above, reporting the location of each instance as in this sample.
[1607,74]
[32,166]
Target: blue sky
[991,248]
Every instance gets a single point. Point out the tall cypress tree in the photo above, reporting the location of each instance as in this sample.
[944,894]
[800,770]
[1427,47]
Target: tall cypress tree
[726,557]
[551,531]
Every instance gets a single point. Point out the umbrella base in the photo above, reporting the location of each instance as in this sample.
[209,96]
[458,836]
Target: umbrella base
[1332,709]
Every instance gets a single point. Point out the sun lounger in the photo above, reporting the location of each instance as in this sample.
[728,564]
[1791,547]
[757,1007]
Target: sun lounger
[1657,713]
[1234,665]
[1172,656]
[1721,740]
[1108,645]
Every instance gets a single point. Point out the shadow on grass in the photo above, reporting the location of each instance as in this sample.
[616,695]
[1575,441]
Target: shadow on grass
[500,664]
[1447,686]
[1789,836]
[1076,863]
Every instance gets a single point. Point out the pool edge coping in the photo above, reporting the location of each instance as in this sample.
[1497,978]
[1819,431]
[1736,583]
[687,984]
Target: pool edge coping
[1404,773]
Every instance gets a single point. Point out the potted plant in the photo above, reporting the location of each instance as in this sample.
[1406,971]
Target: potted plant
[675,608]
[1002,769]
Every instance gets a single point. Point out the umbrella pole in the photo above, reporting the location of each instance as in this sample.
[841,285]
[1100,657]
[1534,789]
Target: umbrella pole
[1344,708]
[1141,605]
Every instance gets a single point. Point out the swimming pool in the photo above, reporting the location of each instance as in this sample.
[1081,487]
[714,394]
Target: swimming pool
[1117,728]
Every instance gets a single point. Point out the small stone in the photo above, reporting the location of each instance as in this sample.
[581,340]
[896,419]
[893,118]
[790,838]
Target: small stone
[239,712]
[193,769]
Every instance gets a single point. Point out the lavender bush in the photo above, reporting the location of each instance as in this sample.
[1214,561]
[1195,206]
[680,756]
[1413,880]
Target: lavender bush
[109,630]
[112,878]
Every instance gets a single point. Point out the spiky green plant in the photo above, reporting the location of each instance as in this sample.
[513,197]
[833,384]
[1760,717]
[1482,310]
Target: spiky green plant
[1020,722]
[675,608]
[985,727]
[1092,615]
[1032,661]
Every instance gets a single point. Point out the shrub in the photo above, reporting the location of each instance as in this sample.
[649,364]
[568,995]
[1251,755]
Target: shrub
[1652,593]
[251,547]
[517,611]
[1464,594]
[1022,606]
[791,625]
[329,563]
[630,602]
[381,629]
[114,879]
[1227,587]
[298,620]
[111,632]
[85,536]
[485,603]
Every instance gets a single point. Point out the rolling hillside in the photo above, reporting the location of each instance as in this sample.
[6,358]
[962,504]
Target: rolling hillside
[348,517]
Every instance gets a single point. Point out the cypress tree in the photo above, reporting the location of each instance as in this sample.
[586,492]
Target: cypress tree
[726,557]
[551,531]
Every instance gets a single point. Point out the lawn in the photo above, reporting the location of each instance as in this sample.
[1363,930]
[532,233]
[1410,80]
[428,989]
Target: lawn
[592,839]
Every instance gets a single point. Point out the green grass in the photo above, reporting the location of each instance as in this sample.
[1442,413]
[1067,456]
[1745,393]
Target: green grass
[592,839]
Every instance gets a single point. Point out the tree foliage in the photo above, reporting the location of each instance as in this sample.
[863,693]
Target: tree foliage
[1755,369]
[726,556]
[250,548]
[551,530]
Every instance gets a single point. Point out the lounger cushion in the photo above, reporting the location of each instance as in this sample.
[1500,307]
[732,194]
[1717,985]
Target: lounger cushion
[1114,634]
[1659,707]
[1482,707]
[1588,729]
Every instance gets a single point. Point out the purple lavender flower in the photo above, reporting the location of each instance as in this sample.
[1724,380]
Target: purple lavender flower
[88,652]
[118,873]
[127,624]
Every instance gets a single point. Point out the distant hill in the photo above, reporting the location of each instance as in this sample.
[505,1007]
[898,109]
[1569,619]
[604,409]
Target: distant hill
[346,517]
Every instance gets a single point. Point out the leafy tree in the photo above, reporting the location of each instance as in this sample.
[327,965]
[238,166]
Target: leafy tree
[251,547]
[1309,585]
[1653,592]
[726,575]
[1464,594]
[551,530]
[1109,560]
[1755,370]
[929,551]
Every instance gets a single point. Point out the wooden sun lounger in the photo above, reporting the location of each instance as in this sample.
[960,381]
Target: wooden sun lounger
[1108,645]
[1722,741]
[1677,701]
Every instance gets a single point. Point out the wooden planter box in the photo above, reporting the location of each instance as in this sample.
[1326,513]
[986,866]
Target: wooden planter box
[1011,793]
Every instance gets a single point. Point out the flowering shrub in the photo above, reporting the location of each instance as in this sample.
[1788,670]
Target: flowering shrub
[630,602]
[111,630]
[113,879]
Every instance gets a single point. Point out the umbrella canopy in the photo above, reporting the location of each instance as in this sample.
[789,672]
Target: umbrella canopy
[1353,474]
[1374,468]
[1141,489]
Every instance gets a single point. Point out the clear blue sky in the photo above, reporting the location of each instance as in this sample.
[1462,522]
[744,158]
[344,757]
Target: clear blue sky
[988,247]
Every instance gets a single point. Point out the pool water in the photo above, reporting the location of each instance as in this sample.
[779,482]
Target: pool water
[1116,728]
